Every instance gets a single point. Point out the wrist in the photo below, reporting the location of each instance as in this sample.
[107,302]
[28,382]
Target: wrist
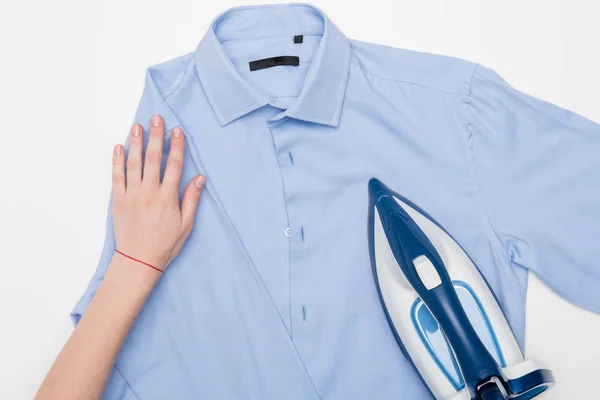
[159,267]
[137,277]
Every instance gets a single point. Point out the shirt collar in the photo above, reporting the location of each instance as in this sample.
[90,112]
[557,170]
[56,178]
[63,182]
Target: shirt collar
[231,97]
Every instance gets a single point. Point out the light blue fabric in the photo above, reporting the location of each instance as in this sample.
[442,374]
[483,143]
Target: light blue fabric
[254,310]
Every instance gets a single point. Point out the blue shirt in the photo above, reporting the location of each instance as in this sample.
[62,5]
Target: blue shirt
[272,296]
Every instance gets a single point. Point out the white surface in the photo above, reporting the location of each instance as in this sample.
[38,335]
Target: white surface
[72,73]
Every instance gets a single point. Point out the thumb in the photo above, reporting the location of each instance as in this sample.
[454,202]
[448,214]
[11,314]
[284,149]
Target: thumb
[191,197]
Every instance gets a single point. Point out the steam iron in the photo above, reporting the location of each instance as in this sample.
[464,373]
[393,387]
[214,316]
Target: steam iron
[441,309]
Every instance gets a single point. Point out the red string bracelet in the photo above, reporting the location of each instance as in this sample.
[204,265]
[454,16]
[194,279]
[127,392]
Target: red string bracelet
[140,261]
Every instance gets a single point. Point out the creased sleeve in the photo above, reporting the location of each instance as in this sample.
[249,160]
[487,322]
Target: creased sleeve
[538,169]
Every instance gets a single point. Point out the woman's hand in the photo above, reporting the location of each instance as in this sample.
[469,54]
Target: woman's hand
[149,223]
[149,226]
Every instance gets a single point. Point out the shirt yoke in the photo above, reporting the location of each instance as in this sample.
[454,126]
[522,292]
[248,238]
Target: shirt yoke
[437,72]
[443,73]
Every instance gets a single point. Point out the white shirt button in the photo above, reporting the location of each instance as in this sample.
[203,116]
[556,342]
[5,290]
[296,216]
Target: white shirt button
[288,232]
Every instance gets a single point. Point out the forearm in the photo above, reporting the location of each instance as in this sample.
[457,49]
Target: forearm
[84,365]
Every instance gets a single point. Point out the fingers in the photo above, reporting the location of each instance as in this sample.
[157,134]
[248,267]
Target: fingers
[134,157]
[118,171]
[154,152]
[174,162]
[189,203]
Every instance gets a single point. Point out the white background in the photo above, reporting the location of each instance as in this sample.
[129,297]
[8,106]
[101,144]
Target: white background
[72,73]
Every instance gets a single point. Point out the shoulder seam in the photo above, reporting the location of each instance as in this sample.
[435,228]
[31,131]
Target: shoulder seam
[167,92]
[465,86]
[474,176]
[471,79]
[412,83]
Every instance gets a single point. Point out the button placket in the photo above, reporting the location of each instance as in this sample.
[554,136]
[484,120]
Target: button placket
[283,158]
[296,232]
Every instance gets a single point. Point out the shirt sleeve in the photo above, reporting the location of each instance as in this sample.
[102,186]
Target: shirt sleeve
[151,103]
[538,169]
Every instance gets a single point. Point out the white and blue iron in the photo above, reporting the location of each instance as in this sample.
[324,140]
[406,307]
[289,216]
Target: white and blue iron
[441,309]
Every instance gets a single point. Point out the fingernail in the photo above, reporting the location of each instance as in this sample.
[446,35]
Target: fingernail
[200,182]
[155,120]
[118,150]
[177,132]
[136,130]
